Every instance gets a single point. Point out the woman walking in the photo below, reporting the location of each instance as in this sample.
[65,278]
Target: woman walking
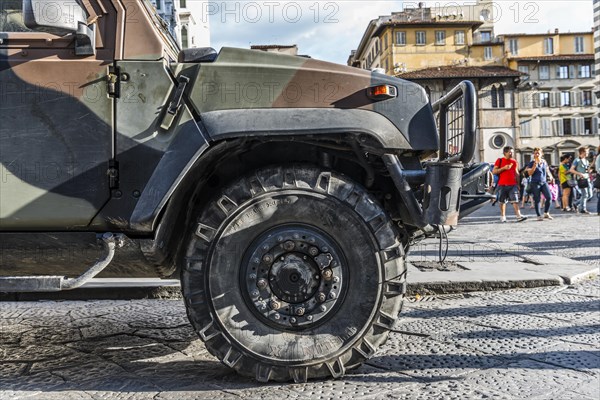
[539,172]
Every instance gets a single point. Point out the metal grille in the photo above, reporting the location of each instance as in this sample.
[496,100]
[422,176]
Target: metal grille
[456,123]
[455,128]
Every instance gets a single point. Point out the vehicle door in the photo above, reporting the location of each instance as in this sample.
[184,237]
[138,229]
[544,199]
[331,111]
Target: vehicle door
[56,126]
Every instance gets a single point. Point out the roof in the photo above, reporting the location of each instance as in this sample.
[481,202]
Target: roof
[272,46]
[558,57]
[461,72]
[551,33]
[426,22]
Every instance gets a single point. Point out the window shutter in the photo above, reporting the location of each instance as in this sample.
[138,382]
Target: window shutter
[572,98]
[574,126]
[558,127]
[581,126]
[536,99]
[595,126]
[572,72]
[552,97]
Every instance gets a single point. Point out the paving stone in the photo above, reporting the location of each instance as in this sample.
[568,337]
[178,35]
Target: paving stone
[583,390]
[564,310]
[456,389]
[173,334]
[526,379]
[573,356]
[427,358]
[501,342]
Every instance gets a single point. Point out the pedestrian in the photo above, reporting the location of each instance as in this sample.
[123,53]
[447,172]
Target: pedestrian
[508,180]
[539,171]
[525,195]
[580,170]
[597,180]
[566,181]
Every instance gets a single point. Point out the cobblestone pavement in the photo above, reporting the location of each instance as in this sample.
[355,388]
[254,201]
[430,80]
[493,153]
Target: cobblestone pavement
[575,236]
[519,344]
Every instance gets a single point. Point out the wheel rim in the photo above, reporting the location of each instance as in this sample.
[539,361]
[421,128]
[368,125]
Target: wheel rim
[294,277]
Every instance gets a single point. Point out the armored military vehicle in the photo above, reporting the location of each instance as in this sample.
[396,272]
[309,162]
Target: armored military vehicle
[284,191]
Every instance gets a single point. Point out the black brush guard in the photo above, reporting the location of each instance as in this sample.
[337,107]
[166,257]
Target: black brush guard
[451,187]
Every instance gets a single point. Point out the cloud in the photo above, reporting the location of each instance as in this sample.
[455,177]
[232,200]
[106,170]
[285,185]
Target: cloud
[329,30]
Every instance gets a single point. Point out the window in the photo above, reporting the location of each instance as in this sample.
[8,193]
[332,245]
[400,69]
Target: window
[513,46]
[498,141]
[524,69]
[485,36]
[586,98]
[562,72]
[549,46]
[401,38]
[158,6]
[587,126]
[487,53]
[584,71]
[526,128]
[501,97]
[420,36]
[546,124]
[579,44]
[566,122]
[544,99]
[565,99]
[440,38]
[182,4]
[459,37]
[544,72]
[184,37]
[494,95]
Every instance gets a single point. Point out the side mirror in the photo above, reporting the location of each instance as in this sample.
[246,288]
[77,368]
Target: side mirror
[61,18]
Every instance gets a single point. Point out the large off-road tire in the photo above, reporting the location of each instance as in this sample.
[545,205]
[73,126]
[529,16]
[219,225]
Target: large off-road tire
[293,273]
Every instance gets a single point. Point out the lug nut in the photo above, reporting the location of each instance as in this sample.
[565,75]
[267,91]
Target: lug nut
[275,305]
[293,320]
[313,251]
[255,293]
[323,308]
[280,238]
[332,295]
[336,279]
[252,276]
[265,247]
[300,311]
[256,260]
[321,297]
[309,317]
[261,284]
[296,236]
[325,249]
[327,274]
[276,316]
[289,245]
[268,258]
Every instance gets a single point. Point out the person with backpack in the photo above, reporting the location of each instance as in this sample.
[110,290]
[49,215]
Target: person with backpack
[508,185]
[580,170]
[540,173]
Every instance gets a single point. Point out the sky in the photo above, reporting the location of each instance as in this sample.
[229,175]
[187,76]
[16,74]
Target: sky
[329,30]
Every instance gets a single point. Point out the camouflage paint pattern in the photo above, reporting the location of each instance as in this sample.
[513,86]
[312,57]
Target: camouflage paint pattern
[61,128]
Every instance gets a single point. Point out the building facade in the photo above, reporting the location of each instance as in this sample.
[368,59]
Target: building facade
[533,90]
[187,21]
[557,107]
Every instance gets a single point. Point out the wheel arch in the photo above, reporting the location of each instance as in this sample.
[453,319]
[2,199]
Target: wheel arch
[227,159]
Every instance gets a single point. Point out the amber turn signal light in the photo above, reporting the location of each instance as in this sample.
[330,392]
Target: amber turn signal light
[382,92]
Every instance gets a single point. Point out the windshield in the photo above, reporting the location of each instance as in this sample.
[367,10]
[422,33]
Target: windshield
[162,26]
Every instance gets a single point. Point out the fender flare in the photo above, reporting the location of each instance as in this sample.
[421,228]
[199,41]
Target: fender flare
[195,139]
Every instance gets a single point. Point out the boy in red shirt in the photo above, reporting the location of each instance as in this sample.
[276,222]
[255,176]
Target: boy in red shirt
[508,190]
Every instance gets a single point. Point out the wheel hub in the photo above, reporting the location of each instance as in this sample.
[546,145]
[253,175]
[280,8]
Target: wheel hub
[293,276]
